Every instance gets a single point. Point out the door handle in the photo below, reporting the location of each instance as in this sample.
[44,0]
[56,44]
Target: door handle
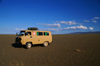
[30,36]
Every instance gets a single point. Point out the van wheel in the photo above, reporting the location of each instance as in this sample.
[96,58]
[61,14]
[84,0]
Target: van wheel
[45,44]
[28,45]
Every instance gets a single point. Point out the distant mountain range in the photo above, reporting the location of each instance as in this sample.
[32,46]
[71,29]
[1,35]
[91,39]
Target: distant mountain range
[92,32]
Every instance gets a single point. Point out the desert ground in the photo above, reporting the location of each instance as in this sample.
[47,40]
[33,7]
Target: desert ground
[65,50]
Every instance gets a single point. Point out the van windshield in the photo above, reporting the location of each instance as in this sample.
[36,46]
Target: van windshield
[21,33]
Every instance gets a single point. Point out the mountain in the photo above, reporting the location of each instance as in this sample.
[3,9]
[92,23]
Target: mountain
[90,32]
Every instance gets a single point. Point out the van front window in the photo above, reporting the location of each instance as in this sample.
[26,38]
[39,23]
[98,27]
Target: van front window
[21,33]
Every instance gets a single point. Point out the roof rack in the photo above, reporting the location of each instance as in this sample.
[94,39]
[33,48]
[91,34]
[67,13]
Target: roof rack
[32,28]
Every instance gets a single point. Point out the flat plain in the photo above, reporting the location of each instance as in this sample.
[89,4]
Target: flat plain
[65,50]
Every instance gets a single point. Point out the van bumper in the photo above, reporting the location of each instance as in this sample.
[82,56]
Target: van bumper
[17,42]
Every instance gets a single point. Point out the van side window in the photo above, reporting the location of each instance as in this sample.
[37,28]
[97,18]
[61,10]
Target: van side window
[28,33]
[39,33]
[46,33]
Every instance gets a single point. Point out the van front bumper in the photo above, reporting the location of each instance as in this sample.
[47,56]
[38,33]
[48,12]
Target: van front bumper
[18,42]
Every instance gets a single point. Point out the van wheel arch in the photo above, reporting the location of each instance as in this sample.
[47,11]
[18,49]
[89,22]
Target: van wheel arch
[29,42]
[28,45]
[46,43]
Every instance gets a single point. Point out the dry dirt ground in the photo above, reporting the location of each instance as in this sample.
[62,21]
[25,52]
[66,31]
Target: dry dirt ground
[65,50]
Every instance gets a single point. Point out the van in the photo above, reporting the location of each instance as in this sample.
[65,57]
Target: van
[31,37]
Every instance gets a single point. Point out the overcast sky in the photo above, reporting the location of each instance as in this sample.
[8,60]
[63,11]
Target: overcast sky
[57,16]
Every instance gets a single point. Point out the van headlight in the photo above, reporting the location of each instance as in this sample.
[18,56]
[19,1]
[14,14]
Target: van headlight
[18,39]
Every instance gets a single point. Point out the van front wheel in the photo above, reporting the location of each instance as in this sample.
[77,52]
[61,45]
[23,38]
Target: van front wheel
[45,44]
[28,45]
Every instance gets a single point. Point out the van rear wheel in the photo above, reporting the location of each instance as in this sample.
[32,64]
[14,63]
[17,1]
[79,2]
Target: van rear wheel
[45,43]
[28,45]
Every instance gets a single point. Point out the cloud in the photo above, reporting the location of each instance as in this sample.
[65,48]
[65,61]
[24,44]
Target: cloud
[94,21]
[74,27]
[22,29]
[37,23]
[52,25]
[96,18]
[51,29]
[81,27]
[86,20]
[55,21]
[91,28]
[19,29]
[69,22]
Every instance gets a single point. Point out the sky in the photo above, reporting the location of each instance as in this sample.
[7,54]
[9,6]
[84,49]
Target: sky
[57,16]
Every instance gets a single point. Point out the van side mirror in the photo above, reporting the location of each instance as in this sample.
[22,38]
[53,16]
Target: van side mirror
[25,34]
[17,34]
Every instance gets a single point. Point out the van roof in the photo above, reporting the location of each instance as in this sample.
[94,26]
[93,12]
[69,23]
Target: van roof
[35,30]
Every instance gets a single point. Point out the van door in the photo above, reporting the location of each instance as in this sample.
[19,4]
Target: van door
[34,37]
[28,37]
[40,37]
[47,36]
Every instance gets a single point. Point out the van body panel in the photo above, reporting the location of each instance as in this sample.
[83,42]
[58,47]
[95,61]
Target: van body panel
[35,38]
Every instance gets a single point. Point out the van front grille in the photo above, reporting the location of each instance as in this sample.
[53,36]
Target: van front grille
[18,39]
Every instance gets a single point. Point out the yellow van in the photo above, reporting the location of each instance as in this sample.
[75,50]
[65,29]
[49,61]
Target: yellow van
[31,37]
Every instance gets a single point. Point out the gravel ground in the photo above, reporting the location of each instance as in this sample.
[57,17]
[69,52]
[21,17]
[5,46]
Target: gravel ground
[65,50]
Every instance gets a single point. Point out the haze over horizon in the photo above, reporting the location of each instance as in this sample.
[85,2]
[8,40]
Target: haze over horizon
[57,16]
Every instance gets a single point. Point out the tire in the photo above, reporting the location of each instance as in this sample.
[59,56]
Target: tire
[28,45]
[45,44]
